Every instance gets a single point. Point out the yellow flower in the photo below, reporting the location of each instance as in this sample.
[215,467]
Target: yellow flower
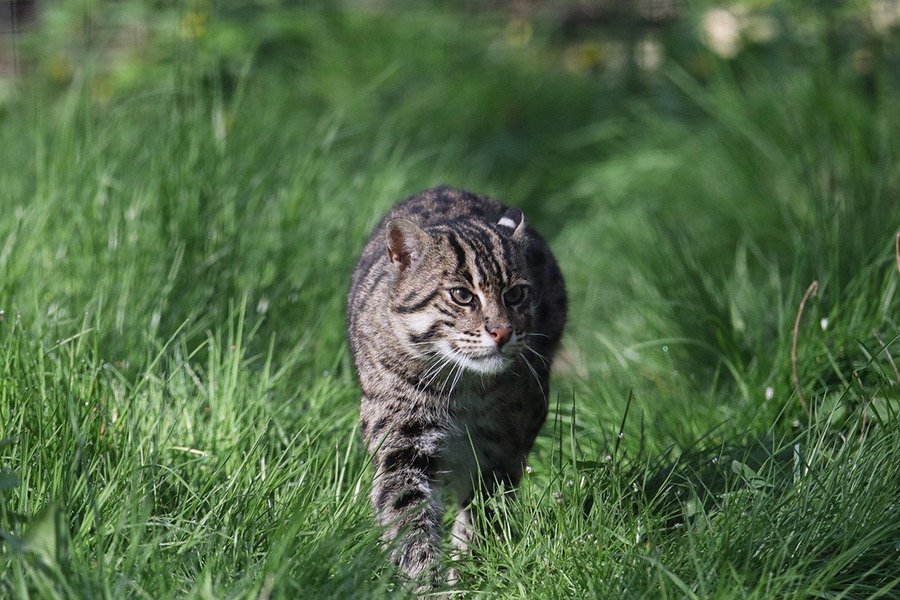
[193,24]
[59,67]
[518,32]
[585,57]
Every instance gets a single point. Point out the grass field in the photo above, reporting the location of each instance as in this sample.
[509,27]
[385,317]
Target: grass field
[178,224]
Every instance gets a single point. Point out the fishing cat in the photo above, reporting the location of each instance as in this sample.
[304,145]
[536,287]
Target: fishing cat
[455,310]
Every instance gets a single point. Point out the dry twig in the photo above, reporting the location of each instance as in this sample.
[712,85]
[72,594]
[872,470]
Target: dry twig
[897,249]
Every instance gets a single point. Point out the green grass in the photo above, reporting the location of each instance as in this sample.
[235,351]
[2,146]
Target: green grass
[177,405]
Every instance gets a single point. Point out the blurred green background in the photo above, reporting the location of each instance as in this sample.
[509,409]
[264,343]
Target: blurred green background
[184,188]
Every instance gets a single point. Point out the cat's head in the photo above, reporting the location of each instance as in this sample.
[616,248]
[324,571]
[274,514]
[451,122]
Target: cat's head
[463,292]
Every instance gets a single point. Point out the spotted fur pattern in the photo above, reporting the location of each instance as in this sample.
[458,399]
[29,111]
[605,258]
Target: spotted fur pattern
[455,311]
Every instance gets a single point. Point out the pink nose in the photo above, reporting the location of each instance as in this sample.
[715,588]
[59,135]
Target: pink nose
[500,334]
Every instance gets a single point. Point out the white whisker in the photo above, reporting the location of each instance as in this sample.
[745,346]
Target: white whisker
[455,381]
[539,355]
[536,378]
[435,371]
[456,366]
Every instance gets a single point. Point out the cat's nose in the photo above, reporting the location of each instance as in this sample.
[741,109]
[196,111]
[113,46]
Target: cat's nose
[500,334]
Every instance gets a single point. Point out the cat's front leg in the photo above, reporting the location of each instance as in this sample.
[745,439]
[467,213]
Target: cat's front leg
[460,537]
[407,504]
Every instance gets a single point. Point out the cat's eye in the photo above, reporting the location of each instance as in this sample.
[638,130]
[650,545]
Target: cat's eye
[514,295]
[462,296]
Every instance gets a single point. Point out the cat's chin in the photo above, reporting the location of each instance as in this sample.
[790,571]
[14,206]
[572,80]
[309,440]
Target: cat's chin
[484,365]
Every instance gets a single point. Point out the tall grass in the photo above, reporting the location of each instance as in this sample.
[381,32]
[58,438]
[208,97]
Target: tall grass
[177,408]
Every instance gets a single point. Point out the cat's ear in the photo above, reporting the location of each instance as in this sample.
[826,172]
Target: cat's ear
[406,243]
[514,220]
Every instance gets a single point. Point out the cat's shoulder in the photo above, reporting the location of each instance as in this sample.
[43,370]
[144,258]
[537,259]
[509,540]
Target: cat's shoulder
[443,204]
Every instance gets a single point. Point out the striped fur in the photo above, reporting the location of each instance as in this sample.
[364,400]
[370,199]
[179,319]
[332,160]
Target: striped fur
[455,311]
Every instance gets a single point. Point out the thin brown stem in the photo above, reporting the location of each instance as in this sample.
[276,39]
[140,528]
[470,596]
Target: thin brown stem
[887,352]
[809,292]
[897,249]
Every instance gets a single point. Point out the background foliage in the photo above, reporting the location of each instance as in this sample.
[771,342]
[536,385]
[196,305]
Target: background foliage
[184,188]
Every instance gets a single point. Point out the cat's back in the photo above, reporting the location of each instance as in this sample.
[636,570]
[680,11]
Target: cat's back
[444,206]
[441,205]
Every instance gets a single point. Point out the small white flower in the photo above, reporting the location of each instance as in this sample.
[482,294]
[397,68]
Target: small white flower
[770,392]
[884,14]
[648,54]
[722,32]
[824,323]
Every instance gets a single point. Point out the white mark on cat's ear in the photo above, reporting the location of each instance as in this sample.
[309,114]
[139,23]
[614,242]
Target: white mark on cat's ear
[513,219]
[405,243]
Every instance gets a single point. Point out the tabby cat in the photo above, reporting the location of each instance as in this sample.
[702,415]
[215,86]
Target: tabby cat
[455,310]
